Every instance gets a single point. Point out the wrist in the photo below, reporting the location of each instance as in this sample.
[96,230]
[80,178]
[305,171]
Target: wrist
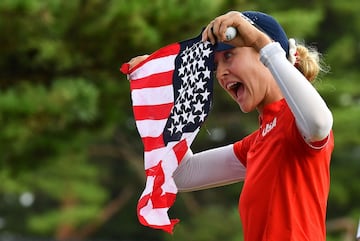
[262,42]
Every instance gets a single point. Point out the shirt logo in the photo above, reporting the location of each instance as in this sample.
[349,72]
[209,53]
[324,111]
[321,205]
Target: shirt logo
[269,127]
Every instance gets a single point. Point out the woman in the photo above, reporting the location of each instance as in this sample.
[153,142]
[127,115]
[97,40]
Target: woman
[285,163]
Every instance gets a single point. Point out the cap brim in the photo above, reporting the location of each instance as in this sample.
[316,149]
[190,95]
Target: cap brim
[223,46]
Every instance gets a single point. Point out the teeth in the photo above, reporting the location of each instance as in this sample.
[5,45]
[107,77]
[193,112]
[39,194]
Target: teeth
[232,85]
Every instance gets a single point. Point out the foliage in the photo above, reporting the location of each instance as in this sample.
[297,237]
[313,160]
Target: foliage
[208,226]
[70,157]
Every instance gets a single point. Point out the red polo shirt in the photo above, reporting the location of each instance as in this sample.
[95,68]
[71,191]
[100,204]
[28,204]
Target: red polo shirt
[285,192]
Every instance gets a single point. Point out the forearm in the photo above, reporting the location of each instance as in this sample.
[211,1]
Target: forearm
[207,169]
[312,115]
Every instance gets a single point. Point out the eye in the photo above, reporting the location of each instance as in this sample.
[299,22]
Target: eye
[227,55]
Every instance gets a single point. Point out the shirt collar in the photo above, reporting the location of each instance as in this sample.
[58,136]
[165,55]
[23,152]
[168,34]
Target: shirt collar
[271,110]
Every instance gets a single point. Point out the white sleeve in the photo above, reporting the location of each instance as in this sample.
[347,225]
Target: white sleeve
[207,169]
[313,118]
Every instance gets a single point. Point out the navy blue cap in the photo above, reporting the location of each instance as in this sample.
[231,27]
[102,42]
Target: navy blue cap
[221,46]
[266,24]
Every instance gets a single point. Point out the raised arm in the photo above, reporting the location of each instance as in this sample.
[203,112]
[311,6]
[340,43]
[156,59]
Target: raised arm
[313,117]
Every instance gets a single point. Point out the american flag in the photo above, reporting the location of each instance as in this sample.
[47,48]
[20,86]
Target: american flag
[171,95]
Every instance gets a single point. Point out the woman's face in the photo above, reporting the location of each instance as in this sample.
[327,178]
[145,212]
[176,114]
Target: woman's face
[241,73]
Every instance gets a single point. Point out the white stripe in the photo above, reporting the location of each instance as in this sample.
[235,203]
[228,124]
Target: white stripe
[153,96]
[152,158]
[158,65]
[190,136]
[155,216]
[166,154]
[148,186]
[151,128]
[358,231]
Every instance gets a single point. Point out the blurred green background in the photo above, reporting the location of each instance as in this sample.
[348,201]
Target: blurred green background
[71,164]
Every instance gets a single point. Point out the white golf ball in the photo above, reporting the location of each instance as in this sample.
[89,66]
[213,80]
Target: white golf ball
[230,33]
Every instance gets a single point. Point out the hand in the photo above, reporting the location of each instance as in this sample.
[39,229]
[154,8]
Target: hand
[126,67]
[247,34]
[136,60]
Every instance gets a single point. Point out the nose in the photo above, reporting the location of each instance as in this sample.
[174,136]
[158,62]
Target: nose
[221,71]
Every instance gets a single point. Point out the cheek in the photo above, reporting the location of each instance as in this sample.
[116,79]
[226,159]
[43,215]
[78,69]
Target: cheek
[221,83]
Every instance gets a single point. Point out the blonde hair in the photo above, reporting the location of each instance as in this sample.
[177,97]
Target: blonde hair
[307,60]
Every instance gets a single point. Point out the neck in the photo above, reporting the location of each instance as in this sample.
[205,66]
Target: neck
[273,95]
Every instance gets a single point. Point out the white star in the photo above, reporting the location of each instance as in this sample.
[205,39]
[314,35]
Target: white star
[176,118]
[196,75]
[193,66]
[207,73]
[187,68]
[184,116]
[191,118]
[190,92]
[205,44]
[197,52]
[200,85]
[185,58]
[192,55]
[171,128]
[200,46]
[181,70]
[198,106]
[201,63]
[192,78]
[207,52]
[184,79]
[179,127]
[187,103]
[205,95]
[202,117]
[178,106]
[187,50]
[181,90]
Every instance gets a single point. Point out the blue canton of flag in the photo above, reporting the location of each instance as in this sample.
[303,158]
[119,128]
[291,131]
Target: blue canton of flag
[193,87]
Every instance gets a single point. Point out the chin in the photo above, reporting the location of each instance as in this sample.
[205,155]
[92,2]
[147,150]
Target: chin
[244,109]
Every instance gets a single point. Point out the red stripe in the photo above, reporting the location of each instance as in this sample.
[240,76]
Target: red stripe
[167,228]
[142,203]
[158,198]
[151,143]
[170,49]
[125,68]
[163,52]
[154,80]
[154,112]
[180,150]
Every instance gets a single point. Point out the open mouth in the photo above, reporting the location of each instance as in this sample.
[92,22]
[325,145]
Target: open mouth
[235,87]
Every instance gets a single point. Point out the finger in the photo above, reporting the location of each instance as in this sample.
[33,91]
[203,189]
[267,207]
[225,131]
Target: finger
[222,32]
[208,33]
[219,28]
[228,20]
[211,36]
[205,34]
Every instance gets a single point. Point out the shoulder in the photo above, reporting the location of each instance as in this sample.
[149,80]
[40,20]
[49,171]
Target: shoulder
[241,147]
[295,138]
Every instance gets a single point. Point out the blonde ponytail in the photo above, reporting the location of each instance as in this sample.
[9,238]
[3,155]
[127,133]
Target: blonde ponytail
[305,59]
